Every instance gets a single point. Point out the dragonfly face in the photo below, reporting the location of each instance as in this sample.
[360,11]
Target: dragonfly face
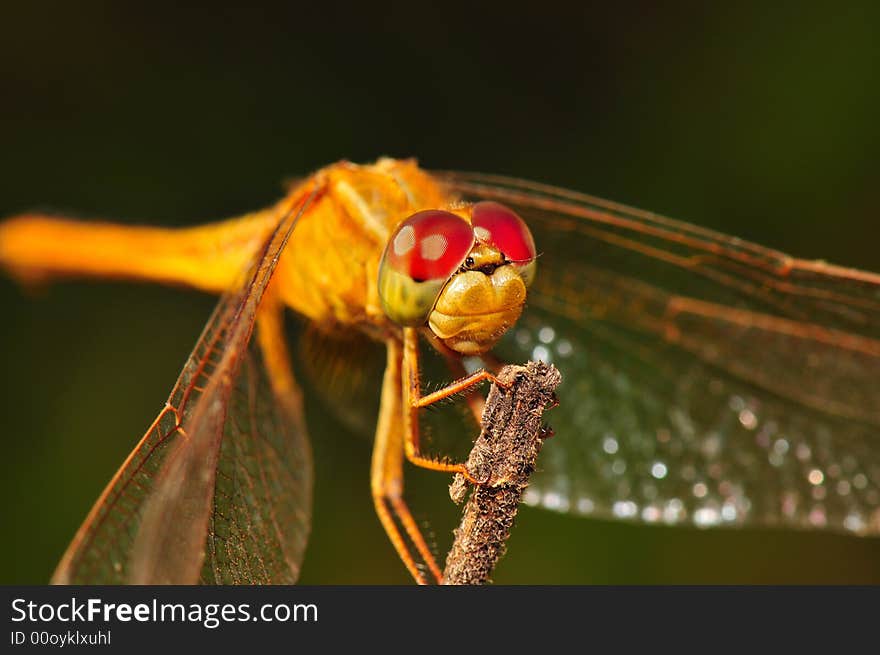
[465,275]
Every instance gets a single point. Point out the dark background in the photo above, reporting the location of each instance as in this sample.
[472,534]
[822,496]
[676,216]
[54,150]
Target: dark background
[754,120]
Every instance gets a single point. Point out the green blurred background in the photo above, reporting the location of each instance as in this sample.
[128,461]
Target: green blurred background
[759,121]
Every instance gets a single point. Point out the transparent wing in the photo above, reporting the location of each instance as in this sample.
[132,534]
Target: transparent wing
[342,370]
[223,466]
[705,379]
[261,514]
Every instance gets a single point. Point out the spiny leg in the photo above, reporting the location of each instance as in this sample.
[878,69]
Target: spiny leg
[386,476]
[414,401]
[474,400]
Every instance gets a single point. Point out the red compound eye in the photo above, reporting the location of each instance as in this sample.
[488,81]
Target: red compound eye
[429,245]
[498,226]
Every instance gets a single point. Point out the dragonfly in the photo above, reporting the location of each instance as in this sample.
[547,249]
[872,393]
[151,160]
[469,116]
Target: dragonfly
[708,381]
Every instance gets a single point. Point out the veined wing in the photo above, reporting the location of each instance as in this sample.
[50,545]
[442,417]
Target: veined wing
[224,469]
[705,379]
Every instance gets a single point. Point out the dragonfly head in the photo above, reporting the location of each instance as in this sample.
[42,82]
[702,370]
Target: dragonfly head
[464,274]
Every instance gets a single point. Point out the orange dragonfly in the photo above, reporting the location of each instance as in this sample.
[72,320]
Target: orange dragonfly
[707,380]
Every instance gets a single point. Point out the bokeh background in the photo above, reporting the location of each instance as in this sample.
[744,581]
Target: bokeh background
[756,120]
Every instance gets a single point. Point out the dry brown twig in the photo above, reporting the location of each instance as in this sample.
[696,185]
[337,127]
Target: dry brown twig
[505,455]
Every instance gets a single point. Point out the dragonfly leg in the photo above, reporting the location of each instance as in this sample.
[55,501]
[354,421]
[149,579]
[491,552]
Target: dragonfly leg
[414,401]
[386,477]
[474,400]
[276,357]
